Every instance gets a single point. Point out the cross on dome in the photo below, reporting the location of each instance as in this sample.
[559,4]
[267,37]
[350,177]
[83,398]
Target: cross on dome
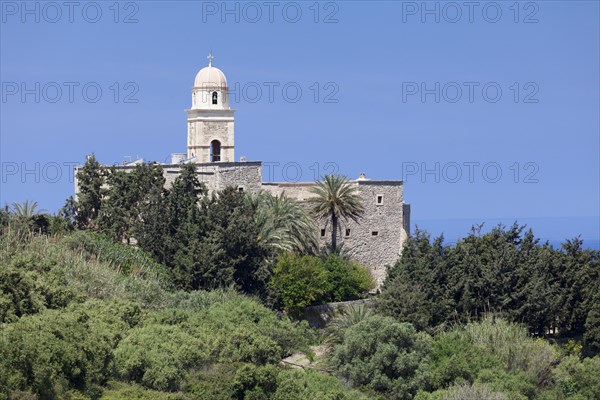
[210,59]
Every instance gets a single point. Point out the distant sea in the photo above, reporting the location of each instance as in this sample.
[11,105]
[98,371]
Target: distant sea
[555,230]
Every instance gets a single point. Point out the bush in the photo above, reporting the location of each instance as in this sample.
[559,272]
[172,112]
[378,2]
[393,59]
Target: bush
[579,379]
[347,280]
[385,356]
[512,346]
[215,381]
[174,341]
[30,283]
[253,382]
[454,358]
[302,281]
[463,391]
[123,391]
[299,281]
[156,356]
[270,382]
[55,351]
[300,385]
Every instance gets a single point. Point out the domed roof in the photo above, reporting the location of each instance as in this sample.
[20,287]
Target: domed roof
[210,76]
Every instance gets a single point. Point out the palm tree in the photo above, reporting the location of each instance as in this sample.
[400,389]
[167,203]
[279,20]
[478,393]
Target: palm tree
[283,223]
[336,198]
[347,318]
[26,209]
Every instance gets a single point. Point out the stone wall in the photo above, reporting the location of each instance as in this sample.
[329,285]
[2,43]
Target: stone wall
[376,240]
[245,176]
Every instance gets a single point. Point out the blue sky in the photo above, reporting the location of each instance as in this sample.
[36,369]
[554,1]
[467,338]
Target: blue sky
[446,105]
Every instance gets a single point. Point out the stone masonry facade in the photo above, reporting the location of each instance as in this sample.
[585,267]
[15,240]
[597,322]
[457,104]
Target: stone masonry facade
[375,241]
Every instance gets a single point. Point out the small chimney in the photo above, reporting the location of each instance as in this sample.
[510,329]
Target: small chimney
[362,176]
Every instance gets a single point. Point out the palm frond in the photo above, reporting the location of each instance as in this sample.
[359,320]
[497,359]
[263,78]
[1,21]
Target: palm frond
[26,209]
[283,222]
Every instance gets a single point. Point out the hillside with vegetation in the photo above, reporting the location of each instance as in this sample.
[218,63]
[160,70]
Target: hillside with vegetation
[135,291]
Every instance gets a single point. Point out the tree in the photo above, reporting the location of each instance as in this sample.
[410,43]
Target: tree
[90,179]
[592,326]
[217,246]
[299,281]
[183,197]
[151,229]
[504,271]
[347,280]
[25,210]
[416,289]
[126,195]
[284,224]
[28,218]
[336,198]
[64,221]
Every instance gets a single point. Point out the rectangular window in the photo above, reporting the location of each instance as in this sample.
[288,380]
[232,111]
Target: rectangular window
[375,233]
[322,232]
[379,199]
[347,232]
[240,189]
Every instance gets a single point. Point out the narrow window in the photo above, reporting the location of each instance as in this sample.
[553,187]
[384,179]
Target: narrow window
[215,97]
[375,233]
[241,189]
[322,232]
[347,232]
[215,151]
[379,199]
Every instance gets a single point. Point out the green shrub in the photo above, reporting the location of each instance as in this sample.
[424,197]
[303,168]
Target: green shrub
[61,274]
[30,283]
[454,358]
[123,391]
[299,281]
[253,382]
[385,356]
[578,379]
[463,391]
[55,351]
[347,280]
[517,385]
[514,348]
[214,381]
[275,383]
[19,294]
[172,342]
[299,385]
[156,356]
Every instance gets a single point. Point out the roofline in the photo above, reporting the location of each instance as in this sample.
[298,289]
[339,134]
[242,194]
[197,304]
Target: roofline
[207,164]
[378,182]
[359,182]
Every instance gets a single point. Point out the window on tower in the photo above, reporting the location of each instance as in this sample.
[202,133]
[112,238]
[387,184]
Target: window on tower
[215,151]
[215,97]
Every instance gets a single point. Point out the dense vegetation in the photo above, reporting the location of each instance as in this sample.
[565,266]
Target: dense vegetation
[554,292]
[214,240]
[135,291]
[76,325]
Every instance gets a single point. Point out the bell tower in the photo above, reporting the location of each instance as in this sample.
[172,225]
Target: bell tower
[210,120]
